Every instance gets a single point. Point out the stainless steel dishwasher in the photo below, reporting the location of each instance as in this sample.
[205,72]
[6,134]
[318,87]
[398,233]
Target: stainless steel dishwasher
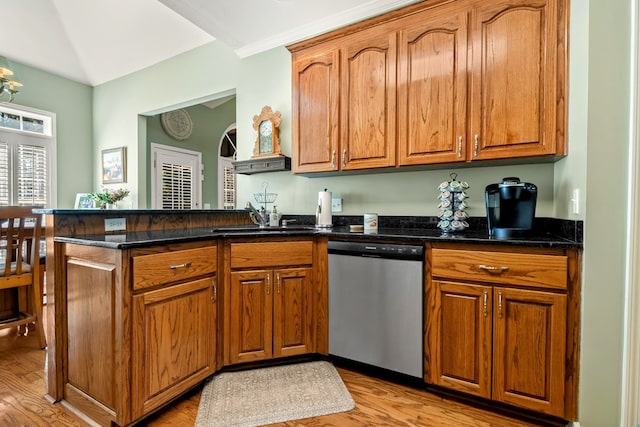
[376,304]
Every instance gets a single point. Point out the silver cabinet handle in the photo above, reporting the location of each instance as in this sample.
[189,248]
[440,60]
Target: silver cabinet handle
[333,159]
[268,283]
[459,146]
[500,305]
[278,282]
[484,303]
[214,298]
[475,145]
[344,157]
[492,269]
[176,266]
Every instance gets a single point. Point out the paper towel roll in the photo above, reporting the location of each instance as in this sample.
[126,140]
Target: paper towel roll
[323,211]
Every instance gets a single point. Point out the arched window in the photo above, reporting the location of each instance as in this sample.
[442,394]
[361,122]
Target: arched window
[226,172]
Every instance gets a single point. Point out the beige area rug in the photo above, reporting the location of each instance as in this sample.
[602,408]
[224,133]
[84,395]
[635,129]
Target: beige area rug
[275,394]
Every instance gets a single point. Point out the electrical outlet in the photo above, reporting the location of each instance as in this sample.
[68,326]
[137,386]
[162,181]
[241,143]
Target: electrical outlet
[336,204]
[114,225]
[575,201]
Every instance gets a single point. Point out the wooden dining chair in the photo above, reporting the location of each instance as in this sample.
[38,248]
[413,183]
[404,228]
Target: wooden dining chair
[20,233]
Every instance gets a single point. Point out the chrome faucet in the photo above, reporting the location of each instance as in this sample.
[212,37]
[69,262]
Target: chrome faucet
[258,218]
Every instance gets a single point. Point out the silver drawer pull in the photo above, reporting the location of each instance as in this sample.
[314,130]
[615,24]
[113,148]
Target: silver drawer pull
[185,265]
[492,269]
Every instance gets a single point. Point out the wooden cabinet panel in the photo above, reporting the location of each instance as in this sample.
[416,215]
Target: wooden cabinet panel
[368,92]
[504,333]
[432,87]
[548,271]
[251,315]
[269,308]
[292,312]
[513,78]
[315,106]
[173,342]
[269,254]
[463,81]
[171,266]
[461,350]
[529,349]
[91,356]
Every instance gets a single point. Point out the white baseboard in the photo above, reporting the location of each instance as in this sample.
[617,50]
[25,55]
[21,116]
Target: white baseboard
[573,424]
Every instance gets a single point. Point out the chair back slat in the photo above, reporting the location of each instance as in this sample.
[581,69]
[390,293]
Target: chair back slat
[20,233]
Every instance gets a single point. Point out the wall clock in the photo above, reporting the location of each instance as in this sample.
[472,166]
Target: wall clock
[267,124]
[177,124]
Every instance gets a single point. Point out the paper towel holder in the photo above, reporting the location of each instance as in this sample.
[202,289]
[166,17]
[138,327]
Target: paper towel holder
[323,210]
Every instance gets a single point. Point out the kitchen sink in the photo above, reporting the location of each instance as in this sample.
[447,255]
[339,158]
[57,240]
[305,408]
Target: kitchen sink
[257,229]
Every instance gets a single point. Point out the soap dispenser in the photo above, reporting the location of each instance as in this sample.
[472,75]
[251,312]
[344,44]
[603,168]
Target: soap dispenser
[274,218]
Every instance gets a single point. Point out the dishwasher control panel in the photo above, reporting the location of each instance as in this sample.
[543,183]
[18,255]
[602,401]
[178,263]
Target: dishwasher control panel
[379,250]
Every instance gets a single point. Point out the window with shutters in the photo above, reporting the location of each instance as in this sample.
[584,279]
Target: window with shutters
[177,176]
[27,147]
[226,171]
[176,186]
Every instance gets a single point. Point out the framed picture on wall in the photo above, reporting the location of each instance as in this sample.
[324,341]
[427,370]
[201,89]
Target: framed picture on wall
[83,201]
[114,165]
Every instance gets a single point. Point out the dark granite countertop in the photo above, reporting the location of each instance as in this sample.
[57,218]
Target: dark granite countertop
[547,233]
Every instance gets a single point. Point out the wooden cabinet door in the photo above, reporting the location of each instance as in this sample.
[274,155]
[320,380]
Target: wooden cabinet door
[513,79]
[461,351]
[432,87]
[315,108]
[368,82]
[292,312]
[173,346]
[529,349]
[251,315]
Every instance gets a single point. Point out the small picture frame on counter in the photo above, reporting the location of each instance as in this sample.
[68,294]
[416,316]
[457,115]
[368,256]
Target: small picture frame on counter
[84,201]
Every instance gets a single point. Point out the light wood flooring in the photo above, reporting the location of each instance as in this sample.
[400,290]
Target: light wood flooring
[378,403]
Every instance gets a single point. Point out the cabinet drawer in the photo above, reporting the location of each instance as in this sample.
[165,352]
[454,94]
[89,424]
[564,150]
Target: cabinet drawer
[270,254]
[156,269]
[547,271]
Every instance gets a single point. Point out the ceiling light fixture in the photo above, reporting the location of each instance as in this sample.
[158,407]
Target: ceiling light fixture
[8,80]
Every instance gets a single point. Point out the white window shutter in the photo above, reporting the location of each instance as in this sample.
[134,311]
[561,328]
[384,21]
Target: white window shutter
[5,168]
[32,175]
[177,183]
[229,188]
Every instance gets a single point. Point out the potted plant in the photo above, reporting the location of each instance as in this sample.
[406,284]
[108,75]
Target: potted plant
[107,198]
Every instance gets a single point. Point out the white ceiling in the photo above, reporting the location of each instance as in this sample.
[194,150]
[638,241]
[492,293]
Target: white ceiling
[94,41]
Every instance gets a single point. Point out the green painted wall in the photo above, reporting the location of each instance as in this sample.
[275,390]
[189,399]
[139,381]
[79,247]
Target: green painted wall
[607,179]
[123,105]
[208,127]
[72,104]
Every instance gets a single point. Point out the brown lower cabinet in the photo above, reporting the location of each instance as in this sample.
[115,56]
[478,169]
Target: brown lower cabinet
[501,325]
[270,300]
[140,326]
[270,314]
[173,342]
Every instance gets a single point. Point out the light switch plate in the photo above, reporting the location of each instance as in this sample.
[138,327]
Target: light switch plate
[114,225]
[336,204]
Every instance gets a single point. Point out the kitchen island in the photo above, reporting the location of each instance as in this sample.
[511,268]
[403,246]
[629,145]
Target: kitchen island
[120,347]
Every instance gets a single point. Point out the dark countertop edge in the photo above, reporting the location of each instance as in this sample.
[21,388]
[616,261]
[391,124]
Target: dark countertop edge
[95,211]
[400,235]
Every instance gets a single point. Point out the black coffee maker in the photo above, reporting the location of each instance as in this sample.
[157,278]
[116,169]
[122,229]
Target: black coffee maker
[511,207]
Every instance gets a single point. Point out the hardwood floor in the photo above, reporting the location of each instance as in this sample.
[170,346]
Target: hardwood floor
[378,403]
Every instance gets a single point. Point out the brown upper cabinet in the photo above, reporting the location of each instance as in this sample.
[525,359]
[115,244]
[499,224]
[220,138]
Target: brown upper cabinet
[433,83]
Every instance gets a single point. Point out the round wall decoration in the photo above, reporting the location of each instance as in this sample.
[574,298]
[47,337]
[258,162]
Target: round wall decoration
[177,124]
